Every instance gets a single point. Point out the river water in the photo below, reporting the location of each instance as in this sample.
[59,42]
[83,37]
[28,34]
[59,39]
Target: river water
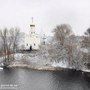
[27,79]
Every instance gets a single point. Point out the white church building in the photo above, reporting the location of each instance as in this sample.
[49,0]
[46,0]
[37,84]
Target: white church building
[32,39]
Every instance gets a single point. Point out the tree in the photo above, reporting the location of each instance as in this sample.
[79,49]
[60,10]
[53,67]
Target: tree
[43,55]
[86,48]
[10,40]
[65,47]
[57,53]
[3,34]
[15,37]
[72,45]
[87,32]
[61,32]
[60,49]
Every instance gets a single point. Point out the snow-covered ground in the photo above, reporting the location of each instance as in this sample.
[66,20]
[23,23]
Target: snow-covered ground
[86,70]
[60,64]
[1,68]
[18,56]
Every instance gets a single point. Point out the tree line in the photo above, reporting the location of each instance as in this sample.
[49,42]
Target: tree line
[67,47]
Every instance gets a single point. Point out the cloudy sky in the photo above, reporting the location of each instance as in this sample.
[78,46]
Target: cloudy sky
[47,14]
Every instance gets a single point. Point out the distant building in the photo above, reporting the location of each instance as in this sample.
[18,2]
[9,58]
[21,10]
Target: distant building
[32,40]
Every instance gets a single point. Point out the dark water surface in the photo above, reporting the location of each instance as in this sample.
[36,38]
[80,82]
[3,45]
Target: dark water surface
[27,79]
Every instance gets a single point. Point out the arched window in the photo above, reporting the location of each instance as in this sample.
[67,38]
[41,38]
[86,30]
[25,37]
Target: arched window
[34,44]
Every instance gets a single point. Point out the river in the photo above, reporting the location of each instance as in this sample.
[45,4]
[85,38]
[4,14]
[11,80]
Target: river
[27,79]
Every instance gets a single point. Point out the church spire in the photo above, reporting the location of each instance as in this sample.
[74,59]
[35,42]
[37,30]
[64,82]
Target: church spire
[32,24]
[32,19]
[32,27]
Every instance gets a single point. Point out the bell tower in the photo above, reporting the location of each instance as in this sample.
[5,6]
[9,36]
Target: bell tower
[32,28]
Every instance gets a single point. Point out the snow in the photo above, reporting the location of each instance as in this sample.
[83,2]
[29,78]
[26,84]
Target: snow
[60,64]
[1,68]
[84,50]
[86,70]
[1,59]
[18,56]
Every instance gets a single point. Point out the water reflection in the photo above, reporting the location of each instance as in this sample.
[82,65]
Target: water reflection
[27,79]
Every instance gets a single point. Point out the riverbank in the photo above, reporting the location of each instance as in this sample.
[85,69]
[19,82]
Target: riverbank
[35,67]
[85,74]
[33,62]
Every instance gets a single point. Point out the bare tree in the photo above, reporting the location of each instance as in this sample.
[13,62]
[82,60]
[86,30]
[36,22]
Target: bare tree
[65,46]
[72,45]
[86,48]
[15,37]
[10,40]
[3,34]
[62,32]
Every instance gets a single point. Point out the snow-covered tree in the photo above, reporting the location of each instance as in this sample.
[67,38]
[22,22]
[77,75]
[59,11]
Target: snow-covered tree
[86,48]
[65,47]
[58,50]
[43,55]
[72,44]
[10,39]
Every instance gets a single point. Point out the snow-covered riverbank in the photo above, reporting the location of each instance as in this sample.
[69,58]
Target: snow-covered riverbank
[35,66]
[29,60]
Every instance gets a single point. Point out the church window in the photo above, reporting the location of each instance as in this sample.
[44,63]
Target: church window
[34,44]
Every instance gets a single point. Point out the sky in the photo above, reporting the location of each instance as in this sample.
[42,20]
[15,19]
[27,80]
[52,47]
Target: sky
[47,14]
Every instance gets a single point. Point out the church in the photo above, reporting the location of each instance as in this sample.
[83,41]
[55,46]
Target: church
[32,39]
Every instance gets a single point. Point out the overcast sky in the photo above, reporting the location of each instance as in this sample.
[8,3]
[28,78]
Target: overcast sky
[47,14]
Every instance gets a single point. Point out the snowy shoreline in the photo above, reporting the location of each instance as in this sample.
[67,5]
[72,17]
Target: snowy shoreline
[35,63]
[46,68]
[41,68]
